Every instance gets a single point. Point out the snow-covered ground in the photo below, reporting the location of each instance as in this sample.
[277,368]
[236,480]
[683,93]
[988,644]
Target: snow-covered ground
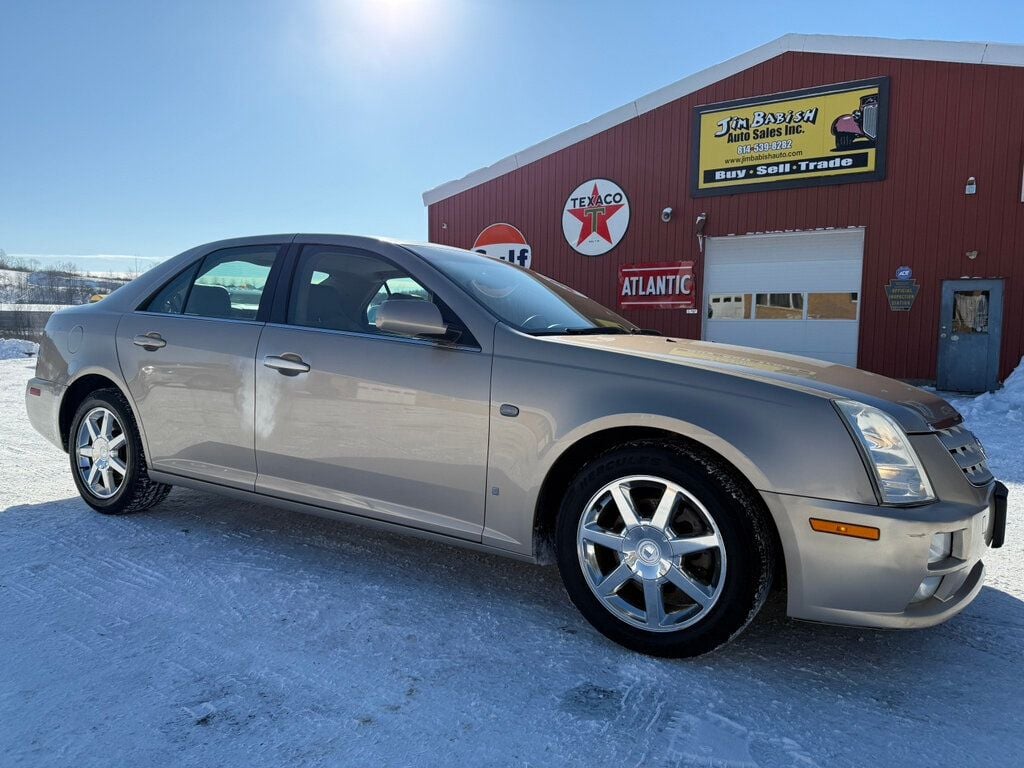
[213,632]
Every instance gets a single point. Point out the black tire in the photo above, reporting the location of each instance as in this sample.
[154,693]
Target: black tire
[741,520]
[137,492]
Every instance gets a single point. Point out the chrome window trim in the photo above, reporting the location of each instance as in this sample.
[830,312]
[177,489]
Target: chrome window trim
[197,317]
[454,346]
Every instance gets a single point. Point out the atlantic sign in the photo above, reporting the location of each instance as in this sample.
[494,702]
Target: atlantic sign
[661,285]
[829,135]
[595,217]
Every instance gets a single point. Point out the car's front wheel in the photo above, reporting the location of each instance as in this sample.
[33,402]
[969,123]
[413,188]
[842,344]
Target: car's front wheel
[107,460]
[663,550]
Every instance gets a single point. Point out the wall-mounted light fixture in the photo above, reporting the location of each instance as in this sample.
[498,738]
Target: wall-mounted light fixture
[699,226]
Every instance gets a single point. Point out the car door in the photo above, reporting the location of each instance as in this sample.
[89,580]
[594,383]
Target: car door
[188,354]
[353,419]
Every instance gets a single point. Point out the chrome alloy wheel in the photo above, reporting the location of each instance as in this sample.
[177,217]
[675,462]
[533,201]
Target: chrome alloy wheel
[102,451]
[651,553]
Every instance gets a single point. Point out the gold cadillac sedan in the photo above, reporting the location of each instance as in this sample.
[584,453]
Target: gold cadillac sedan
[443,393]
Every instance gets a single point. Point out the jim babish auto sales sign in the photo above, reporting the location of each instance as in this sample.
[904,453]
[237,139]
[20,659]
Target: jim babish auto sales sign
[832,134]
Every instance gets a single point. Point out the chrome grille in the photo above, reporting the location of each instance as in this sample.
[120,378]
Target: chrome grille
[967,452]
[869,120]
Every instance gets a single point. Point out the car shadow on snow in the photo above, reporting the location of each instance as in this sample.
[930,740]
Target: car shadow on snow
[483,609]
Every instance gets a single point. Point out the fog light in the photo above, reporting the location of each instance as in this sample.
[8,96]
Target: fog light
[941,548]
[927,589]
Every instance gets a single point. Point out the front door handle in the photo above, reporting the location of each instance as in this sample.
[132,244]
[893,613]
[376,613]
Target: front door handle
[288,364]
[152,341]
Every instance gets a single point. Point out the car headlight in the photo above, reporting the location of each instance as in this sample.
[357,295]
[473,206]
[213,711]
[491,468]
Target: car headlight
[901,478]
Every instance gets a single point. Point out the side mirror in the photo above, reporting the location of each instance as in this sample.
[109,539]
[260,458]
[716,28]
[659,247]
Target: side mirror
[410,317]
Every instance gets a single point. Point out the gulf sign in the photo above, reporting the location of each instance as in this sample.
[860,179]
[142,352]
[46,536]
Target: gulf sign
[657,285]
[505,242]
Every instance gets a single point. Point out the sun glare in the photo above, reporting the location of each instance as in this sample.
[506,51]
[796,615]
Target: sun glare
[378,37]
[390,21]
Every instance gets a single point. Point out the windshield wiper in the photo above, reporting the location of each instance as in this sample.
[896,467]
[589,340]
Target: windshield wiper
[646,332]
[580,331]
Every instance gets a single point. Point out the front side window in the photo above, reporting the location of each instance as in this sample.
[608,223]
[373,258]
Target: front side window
[342,290]
[524,299]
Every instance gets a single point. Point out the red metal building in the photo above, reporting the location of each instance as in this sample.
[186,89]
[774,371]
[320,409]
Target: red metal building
[856,199]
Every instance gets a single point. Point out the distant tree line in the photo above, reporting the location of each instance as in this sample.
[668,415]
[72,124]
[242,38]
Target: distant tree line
[18,264]
[62,284]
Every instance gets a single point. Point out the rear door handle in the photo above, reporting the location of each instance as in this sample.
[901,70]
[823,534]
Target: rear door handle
[288,364]
[151,341]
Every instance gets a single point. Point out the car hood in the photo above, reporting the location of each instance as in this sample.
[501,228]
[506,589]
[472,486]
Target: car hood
[916,410]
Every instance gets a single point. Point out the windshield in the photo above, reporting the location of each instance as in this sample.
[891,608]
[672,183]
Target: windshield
[527,301]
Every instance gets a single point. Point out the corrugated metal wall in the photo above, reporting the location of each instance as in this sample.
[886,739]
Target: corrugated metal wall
[946,122]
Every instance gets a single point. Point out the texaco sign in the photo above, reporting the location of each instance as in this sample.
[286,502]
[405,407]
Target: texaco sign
[595,217]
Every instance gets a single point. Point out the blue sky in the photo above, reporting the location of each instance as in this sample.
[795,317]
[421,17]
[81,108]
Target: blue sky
[148,127]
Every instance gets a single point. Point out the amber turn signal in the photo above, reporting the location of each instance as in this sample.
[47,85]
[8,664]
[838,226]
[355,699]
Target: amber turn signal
[845,529]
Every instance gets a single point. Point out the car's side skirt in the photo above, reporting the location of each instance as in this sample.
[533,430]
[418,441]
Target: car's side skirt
[330,514]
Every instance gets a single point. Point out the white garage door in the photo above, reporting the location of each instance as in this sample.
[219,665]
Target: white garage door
[793,292]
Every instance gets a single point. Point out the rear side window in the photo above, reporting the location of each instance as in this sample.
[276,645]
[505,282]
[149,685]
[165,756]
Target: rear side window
[170,299]
[227,284]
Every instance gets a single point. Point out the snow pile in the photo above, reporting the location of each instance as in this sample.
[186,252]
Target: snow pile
[15,348]
[997,419]
[1005,403]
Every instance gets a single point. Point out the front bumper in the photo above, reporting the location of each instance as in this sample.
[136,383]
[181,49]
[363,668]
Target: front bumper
[42,401]
[844,580]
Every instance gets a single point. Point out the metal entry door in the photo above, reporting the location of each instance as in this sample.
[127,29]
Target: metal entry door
[970,330]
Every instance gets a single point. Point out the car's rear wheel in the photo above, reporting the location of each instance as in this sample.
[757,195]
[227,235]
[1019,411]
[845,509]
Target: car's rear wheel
[107,459]
[663,549]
